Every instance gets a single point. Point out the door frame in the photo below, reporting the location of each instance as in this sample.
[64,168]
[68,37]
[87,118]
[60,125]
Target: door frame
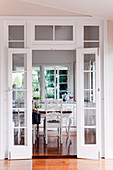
[31,76]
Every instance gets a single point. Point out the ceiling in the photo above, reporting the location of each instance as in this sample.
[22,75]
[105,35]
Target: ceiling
[96,8]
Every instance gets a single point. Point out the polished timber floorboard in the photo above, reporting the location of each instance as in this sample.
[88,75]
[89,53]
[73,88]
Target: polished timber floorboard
[56,164]
[54,148]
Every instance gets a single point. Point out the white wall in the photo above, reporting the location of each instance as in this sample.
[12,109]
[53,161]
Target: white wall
[109,91]
[3,95]
[0,94]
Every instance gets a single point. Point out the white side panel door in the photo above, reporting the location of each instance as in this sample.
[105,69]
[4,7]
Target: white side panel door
[88,104]
[19,104]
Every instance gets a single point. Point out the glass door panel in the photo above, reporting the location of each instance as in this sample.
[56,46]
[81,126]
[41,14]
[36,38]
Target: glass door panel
[20,104]
[19,62]
[88,104]
[89,136]
[19,80]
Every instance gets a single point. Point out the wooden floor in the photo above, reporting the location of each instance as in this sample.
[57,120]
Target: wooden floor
[54,148]
[56,164]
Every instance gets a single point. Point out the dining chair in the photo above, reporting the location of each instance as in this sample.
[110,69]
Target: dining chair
[53,117]
[67,118]
[35,124]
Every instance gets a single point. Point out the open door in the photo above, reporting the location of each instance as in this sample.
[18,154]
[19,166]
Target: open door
[88,104]
[19,104]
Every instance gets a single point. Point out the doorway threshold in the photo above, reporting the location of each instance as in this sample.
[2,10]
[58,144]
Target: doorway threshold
[55,157]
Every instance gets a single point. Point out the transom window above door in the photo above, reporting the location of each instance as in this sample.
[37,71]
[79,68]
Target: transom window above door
[16,36]
[91,36]
[53,33]
[50,32]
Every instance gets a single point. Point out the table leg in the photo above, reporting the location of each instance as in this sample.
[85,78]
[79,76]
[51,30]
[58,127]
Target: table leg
[34,134]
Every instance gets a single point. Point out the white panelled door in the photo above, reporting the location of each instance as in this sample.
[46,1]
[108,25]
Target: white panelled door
[88,104]
[19,104]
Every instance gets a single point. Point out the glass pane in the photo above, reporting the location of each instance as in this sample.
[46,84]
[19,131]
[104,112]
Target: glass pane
[49,72]
[90,98]
[62,79]
[16,32]
[36,95]
[36,81]
[90,117]
[19,99]
[20,136]
[63,72]
[63,87]
[89,62]
[43,32]
[19,62]
[64,33]
[19,117]
[36,87]
[91,44]
[36,71]
[19,80]
[91,32]
[89,136]
[16,44]
[50,93]
[89,80]
[48,85]
[49,79]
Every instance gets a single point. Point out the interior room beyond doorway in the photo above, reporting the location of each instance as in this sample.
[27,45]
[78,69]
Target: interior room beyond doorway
[53,76]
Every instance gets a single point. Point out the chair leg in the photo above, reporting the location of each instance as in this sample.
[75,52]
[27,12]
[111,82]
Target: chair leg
[61,135]
[44,127]
[58,129]
[34,134]
[46,138]
[70,121]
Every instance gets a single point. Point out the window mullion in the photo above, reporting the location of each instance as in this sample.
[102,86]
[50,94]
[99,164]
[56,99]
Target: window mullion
[58,83]
[55,82]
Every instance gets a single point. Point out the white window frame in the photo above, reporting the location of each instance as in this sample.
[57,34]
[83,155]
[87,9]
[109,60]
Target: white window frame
[68,77]
[34,42]
[16,23]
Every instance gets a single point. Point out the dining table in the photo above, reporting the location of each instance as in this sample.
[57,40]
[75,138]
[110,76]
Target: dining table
[66,116]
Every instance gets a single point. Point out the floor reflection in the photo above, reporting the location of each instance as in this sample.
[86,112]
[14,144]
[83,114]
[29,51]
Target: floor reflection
[55,164]
[54,148]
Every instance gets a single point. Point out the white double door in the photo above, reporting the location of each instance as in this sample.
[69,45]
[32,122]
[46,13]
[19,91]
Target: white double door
[88,104]
[20,104]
